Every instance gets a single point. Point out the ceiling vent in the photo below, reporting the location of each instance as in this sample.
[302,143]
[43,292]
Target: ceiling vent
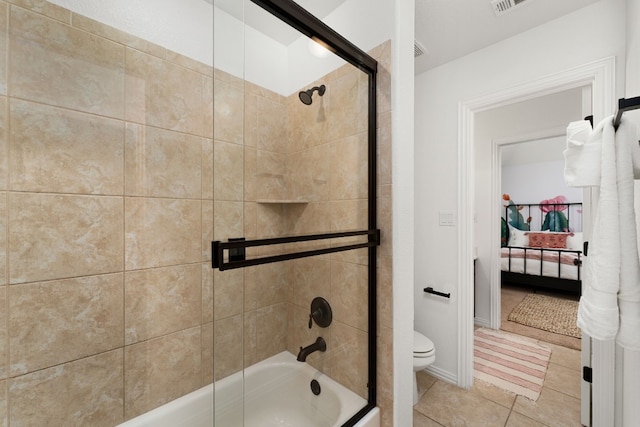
[500,7]
[418,49]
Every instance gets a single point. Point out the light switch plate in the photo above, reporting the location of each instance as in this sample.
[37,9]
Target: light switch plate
[447,218]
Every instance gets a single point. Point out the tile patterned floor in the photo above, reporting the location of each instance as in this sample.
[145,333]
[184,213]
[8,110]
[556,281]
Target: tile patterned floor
[445,405]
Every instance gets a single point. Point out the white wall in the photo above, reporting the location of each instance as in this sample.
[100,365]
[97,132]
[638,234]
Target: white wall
[534,182]
[628,366]
[588,34]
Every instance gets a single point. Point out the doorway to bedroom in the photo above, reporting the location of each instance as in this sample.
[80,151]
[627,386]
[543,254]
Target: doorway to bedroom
[519,148]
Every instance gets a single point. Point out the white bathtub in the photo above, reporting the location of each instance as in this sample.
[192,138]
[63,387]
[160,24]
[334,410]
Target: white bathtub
[277,393]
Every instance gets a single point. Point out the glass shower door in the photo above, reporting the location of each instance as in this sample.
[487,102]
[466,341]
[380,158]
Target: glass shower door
[292,153]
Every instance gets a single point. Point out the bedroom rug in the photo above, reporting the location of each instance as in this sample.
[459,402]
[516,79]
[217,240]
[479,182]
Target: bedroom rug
[510,362]
[548,313]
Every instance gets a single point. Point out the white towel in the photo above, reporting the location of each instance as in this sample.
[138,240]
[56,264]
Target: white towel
[629,294]
[582,155]
[598,309]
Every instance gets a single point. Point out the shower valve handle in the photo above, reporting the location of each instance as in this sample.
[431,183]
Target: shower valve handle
[320,313]
[315,314]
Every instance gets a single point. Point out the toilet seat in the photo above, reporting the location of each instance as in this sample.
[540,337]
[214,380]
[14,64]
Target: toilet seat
[422,346]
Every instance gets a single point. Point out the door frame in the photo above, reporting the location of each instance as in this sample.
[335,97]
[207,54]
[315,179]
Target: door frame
[600,76]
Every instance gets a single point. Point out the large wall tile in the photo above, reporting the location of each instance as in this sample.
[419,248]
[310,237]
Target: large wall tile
[272,124]
[271,221]
[4,410]
[228,111]
[349,293]
[161,163]
[207,229]
[4,335]
[309,174]
[349,214]
[344,99]
[384,59]
[163,94]
[207,83]
[309,280]
[384,149]
[228,346]
[207,354]
[349,168]
[3,238]
[266,284]
[271,171]
[251,95]
[228,293]
[250,350]
[59,321]
[271,330]
[86,71]
[56,236]
[348,358]
[58,150]
[45,8]
[161,370]
[207,293]
[309,218]
[228,171]
[385,292]
[250,175]
[162,232]
[207,169]
[86,392]
[4,8]
[161,301]
[4,144]
[228,220]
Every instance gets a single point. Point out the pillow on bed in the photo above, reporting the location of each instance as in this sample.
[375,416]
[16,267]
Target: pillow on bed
[574,241]
[548,240]
[517,237]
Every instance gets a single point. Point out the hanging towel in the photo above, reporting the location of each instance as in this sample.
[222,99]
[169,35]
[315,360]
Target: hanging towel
[629,294]
[582,155]
[598,308]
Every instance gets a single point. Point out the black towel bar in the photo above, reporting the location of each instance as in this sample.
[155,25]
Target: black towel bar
[430,290]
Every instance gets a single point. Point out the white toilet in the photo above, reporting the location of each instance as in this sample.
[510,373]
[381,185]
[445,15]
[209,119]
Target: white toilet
[424,354]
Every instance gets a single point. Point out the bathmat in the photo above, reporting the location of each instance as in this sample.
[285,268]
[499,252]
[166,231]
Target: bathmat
[548,313]
[510,362]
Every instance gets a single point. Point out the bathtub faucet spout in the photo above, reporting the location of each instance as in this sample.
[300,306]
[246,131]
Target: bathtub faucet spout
[319,345]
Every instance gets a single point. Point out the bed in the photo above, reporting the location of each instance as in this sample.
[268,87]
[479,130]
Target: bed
[541,253]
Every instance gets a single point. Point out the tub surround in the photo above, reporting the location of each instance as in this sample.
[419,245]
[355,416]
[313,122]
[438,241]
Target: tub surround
[105,243]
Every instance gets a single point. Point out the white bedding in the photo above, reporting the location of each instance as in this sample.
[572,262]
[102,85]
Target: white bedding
[568,270]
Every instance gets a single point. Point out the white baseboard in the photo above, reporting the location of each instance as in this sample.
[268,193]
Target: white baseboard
[442,375]
[482,322]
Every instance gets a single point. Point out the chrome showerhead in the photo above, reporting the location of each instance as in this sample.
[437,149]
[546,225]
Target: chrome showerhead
[306,95]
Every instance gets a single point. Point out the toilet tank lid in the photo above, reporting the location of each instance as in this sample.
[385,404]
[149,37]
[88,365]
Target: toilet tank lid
[421,344]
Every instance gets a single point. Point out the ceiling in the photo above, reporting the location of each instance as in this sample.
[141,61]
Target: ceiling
[446,29]
[450,29]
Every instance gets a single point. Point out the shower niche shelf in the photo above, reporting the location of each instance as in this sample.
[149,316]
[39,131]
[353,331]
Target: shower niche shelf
[282,201]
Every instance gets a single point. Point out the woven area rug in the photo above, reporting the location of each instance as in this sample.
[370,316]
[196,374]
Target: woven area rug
[548,313]
[510,362]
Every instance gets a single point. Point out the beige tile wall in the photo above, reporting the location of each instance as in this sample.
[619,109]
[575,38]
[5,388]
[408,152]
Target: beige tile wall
[107,198]
[106,217]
